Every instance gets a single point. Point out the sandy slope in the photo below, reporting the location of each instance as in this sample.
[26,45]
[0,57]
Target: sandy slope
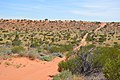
[28,70]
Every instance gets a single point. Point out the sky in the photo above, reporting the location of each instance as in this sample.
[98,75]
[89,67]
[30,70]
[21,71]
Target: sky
[86,10]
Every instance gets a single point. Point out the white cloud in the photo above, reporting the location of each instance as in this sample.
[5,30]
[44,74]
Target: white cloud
[103,8]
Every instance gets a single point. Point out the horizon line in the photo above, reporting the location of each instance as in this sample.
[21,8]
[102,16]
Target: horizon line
[56,19]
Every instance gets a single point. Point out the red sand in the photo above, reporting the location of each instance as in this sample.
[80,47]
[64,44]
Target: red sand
[28,70]
[102,25]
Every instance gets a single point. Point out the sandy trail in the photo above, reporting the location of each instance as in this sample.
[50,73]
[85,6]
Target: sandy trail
[102,25]
[28,70]
[83,41]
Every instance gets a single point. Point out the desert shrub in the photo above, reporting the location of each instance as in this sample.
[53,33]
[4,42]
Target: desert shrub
[103,54]
[18,49]
[112,69]
[16,41]
[54,49]
[108,60]
[84,49]
[102,38]
[78,77]
[57,54]
[34,44]
[90,37]
[105,59]
[98,23]
[32,54]
[68,54]
[46,58]
[22,54]
[4,56]
[117,46]
[39,50]
[65,47]
[72,65]
[1,39]
[65,75]
[63,66]
[5,50]
[61,48]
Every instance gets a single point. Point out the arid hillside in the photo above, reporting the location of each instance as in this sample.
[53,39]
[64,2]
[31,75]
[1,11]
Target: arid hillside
[47,24]
[57,24]
[85,49]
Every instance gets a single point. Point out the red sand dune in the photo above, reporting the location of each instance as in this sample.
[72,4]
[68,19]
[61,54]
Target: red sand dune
[28,70]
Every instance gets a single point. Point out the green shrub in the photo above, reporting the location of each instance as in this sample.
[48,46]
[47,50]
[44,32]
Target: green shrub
[68,54]
[46,58]
[84,49]
[112,69]
[72,65]
[61,48]
[1,39]
[4,56]
[16,41]
[32,56]
[65,75]
[90,37]
[34,44]
[105,59]
[5,50]
[18,49]
[117,46]
[108,59]
[102,38]
[54,49]
[57,54]
[22,54]
[63,66]
[65,48]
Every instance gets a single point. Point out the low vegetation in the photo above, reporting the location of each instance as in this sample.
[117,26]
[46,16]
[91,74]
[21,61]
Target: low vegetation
[101,59]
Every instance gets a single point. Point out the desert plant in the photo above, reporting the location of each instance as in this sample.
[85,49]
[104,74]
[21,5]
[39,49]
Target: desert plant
[4,56]
[57,54]
[61,48]
[5,50]
[117,46]
[18,49]
[46,58]
[34,44]
[72,65]
[111,69]
[108,60]
[16,41]
[32,54]
[65,75]
[68,54]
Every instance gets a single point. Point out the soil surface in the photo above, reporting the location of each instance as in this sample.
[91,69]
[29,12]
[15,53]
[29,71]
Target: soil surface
[25,69]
